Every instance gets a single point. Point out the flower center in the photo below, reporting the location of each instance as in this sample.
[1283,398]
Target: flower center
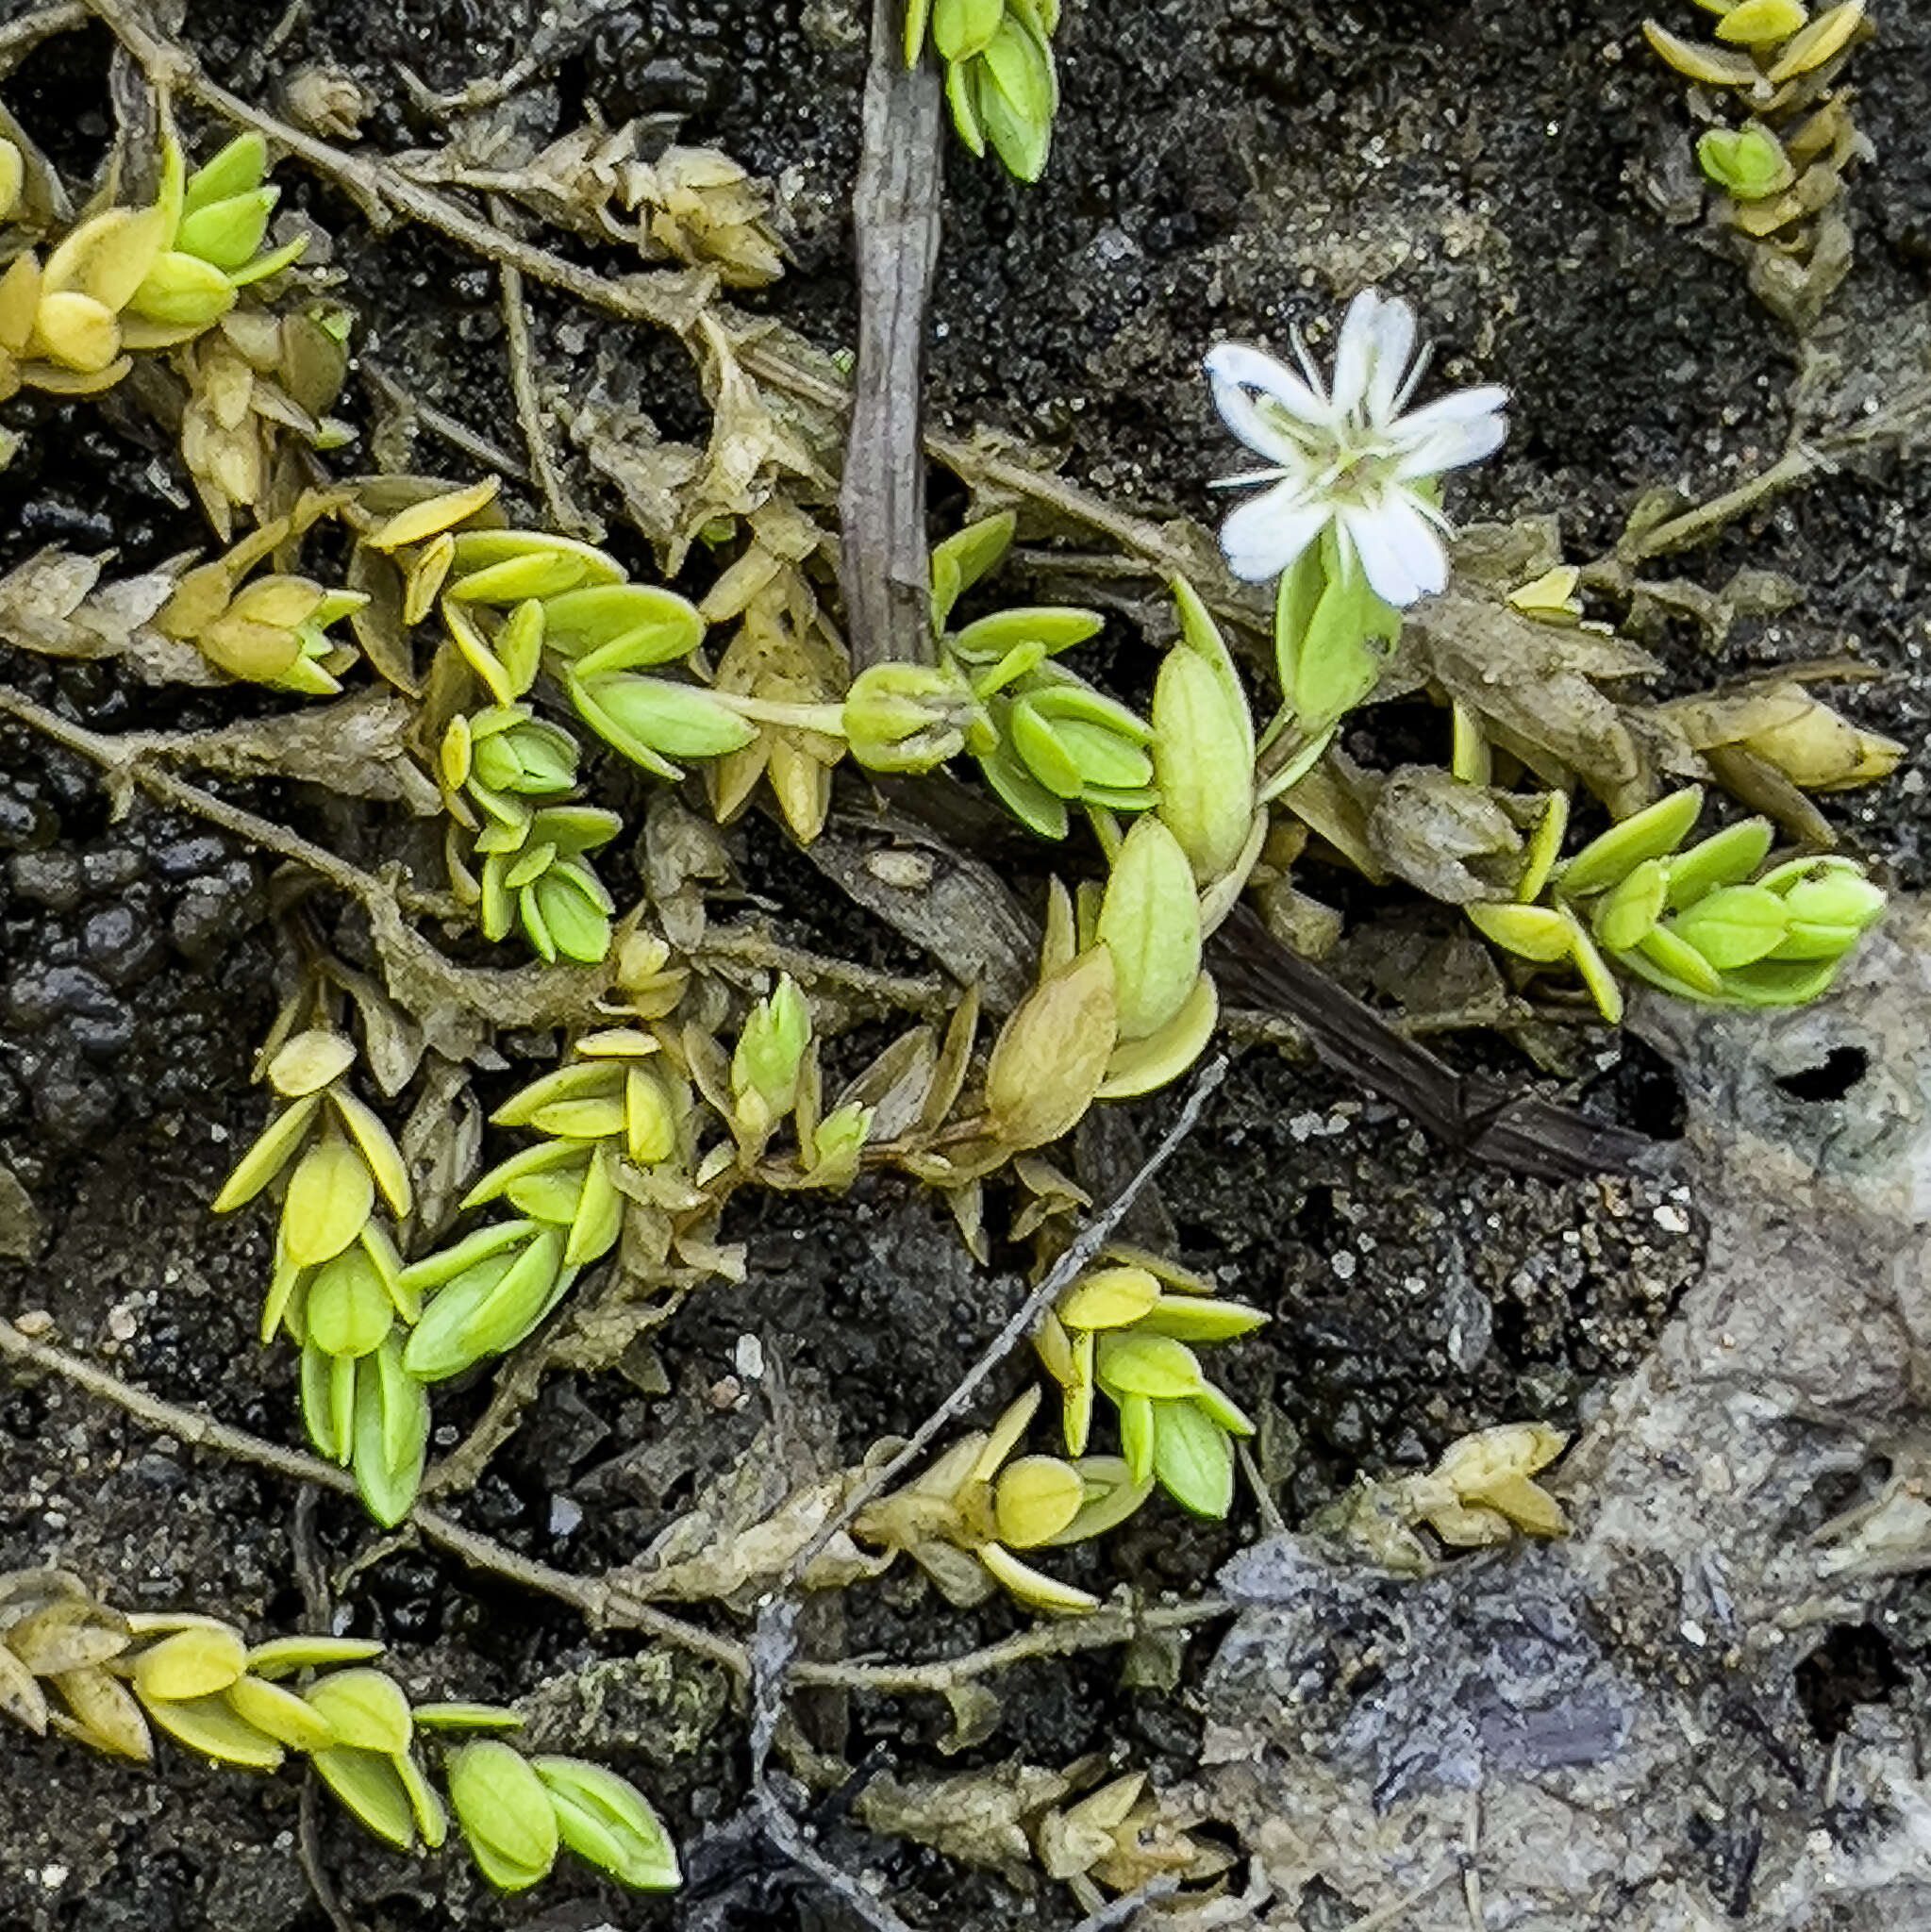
[1345,459]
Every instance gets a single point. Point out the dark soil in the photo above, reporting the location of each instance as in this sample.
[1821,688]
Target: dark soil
[1224,167]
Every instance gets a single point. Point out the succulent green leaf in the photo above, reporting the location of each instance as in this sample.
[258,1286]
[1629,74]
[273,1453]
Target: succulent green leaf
[1149,922]
[1193,1459]
[391,1434]
[1653,833]
[369,1790]
[961,28]
[348,1311]
[233,169]
[366,1708]
[271,1153]
[331,1193]
[670,720]
[964,557]
[1203,762]
[1627,911]
[1735,925]
[1133,1363]
[1725,858]
[504,1811]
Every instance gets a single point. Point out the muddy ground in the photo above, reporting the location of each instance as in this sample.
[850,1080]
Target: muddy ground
[1223,167]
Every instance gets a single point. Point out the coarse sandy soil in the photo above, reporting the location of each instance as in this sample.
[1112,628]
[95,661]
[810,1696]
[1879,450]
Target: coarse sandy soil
[1224,167]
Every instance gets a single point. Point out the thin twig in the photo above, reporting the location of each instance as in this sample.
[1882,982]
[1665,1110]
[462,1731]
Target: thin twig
[1077,1258]
[459,435]
[783,1831]
[309,1850]
[600,1602]
[669,299]
[558,505]
[126,764]
[1102,1629]
[1797,465]
[548,995]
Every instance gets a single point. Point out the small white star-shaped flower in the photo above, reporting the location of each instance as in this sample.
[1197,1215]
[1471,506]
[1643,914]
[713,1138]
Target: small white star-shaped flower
[1347,457]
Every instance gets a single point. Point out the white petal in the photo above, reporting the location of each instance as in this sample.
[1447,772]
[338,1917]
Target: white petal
[1402,556]
[1233,369]
[1262,538]
[1394,342]
[1354,361]
[1458,429]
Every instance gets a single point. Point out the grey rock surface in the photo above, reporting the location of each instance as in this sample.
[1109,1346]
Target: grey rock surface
[1609,1731]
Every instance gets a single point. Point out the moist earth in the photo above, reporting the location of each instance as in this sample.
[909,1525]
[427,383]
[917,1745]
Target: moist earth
[1222,167]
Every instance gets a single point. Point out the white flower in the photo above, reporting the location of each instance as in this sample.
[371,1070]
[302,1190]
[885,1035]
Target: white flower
[1348,456]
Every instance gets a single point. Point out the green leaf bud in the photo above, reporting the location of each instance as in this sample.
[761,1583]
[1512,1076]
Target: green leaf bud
[1747,163]
[770,1056]
[528,756]
[837,1143]
[504,1813]
[907,717]
[1203,762]
[607,1823]
[964,557]
[1051,1053]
